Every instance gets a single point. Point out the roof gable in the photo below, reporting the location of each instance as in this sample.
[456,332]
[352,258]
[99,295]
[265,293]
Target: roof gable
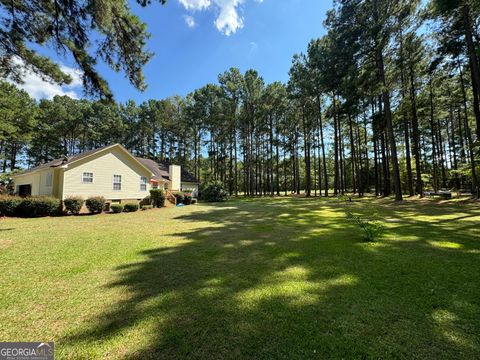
[72,160]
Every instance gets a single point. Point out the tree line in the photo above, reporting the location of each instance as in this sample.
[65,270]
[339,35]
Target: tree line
[387,102]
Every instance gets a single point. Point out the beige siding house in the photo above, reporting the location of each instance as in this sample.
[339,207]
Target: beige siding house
[111,172]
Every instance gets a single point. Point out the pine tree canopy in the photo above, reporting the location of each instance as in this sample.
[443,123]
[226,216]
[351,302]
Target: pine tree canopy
[87,30]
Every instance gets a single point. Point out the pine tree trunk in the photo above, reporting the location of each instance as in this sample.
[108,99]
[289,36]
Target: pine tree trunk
[322,144]
[389,128]
[336,180]
[474,68]
[415,135]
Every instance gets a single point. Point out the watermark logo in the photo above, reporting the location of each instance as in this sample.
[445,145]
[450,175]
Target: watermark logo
[27,351]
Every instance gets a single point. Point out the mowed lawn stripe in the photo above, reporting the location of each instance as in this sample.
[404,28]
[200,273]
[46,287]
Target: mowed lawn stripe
[262,278]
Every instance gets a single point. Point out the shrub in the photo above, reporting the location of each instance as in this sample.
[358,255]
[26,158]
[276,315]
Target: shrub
[73,204]
[146,201]
[48,206]
[157,197]
[116,208]
[38,206]
[179,196]
[187,198]
[147,207]
[130,207]
[373,229]
[214,191]
[9,204]
[95,204]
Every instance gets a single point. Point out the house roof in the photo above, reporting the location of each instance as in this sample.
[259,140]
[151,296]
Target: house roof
[161,171]
[188,177]
[158,173]
[66,160]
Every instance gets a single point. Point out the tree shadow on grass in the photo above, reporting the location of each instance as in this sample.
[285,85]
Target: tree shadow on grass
[290,279]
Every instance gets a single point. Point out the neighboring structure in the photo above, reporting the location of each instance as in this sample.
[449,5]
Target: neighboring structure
[111,172]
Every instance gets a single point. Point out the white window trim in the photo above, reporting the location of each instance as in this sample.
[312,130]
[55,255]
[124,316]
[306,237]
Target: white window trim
[113,182]
[143,183]
[49,176]
[87,182]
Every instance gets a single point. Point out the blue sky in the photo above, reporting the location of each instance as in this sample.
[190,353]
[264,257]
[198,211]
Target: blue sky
[195,40]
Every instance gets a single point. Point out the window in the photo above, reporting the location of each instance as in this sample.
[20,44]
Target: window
[143,183]
[87,178]
[117,182]
[48,179]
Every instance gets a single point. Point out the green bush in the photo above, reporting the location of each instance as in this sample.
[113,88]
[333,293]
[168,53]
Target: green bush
[116,208]
[95,204]
[9,205]
[38,206]
[147,207]
[146,201]
[187,198]
[157,197]
[179,196]
[213,191]
[73,204]
[131,207]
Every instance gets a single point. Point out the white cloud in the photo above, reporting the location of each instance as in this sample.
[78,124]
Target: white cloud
[38,88]
[229,19]
[190,21]
[195,4]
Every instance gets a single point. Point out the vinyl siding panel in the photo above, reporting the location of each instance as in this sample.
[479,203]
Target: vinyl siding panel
[192,187]
[38,181]
[175,174]
[103,166]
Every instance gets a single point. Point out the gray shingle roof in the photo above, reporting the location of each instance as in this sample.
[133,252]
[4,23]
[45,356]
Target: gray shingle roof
[161,170]
[159,173]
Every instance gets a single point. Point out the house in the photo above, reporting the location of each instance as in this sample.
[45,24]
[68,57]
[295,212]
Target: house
[170,177]
[111,171]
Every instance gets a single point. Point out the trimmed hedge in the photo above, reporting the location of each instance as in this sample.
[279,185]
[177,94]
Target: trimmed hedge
[130,207]
[73,204]
[38,206]
[187,198]
[146,201]
[116,208]
[9,204]
[157,197]
[147,207]
[95,204]
[179,196]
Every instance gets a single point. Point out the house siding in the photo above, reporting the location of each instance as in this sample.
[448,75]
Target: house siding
[38,181]
[103,166]
[175,174]
[192,187]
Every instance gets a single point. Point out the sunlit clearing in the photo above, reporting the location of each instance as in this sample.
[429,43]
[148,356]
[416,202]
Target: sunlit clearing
[446,244]
[293,286]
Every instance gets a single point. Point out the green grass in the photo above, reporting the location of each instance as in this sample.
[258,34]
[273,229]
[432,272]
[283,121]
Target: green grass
[278,278]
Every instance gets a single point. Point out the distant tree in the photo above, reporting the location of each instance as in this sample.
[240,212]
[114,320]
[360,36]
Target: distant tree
[17,119]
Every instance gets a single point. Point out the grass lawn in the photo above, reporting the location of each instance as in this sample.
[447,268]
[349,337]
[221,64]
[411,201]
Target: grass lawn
[259,279]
